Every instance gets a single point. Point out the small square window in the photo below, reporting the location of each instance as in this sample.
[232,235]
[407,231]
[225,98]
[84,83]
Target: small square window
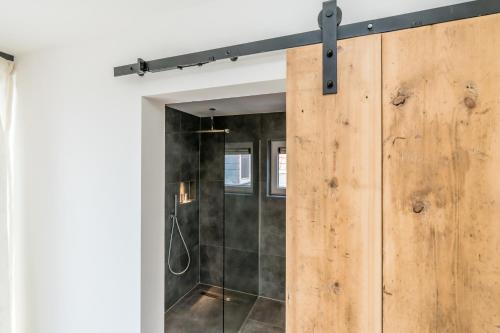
[282,168]
[238,167]
[277,174]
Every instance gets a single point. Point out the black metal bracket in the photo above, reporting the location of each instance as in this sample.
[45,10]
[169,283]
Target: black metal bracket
[330,16]
[142,67]
[6,56]
[329,34]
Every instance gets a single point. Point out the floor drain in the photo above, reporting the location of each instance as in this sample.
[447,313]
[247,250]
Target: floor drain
[215,296]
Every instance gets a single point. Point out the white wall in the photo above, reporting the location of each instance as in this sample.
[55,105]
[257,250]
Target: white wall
[78,163]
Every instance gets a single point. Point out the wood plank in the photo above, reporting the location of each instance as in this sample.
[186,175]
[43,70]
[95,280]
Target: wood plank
[441,158]
[333,244]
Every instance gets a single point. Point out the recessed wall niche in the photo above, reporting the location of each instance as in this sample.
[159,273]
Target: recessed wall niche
[187,192]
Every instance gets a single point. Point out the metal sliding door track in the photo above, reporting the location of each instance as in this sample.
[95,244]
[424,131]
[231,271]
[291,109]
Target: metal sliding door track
[328,35]
[6,56]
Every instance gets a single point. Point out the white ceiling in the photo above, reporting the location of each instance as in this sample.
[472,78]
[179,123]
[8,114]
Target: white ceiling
[177,25]
[234,106]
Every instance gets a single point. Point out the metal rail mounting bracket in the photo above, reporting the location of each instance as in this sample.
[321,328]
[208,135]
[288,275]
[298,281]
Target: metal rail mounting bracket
[329,20]
[142,67]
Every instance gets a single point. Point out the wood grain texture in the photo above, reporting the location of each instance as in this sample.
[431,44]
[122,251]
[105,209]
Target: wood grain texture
[333,234]
[441,160]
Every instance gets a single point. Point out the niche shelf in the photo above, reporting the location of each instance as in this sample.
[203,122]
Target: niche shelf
[187,192]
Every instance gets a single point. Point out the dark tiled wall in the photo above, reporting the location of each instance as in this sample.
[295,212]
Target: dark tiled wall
[254,240]
[211,208]
[250,266]
[272,221]
[242,212]
[181,165]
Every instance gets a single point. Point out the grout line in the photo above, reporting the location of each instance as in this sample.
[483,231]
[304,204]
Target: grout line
[240,250]
[266,324]
[272,299]
[248,316]
[228,289]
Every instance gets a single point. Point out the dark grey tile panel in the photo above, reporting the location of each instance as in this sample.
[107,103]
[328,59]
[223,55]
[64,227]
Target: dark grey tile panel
[188,223]
[189,161]
[272,276]
[181,164]
[211,269]
[188,122]
[201,311]
[187,215]
[212,157]
[211,231]
[177,323]
[242,127]
[274,125]
[245,128]
[178,256]
[206,124]
[252,326]
[272,243]
[172,120]
[269,311]
[195,313]
[274,214]
[174,152]
[242,222]
[241,271]
[177,286]
[212,213]
[236,310]
[272,227]
[178,121]
[171,189]
[181,157]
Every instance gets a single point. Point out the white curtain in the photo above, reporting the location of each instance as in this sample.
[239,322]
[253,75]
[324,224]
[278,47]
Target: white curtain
[6,105]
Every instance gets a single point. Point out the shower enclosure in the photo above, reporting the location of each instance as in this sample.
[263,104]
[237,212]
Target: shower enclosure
[216,276]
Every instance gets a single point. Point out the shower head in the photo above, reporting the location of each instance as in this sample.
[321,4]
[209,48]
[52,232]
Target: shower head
[226,130]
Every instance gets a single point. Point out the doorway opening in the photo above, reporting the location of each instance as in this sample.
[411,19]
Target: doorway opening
[225,200]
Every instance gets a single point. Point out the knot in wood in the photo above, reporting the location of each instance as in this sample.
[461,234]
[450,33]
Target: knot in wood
[418,207]
[470,102]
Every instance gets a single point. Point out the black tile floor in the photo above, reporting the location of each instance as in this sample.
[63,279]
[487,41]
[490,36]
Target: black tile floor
[200,311]
[267,316]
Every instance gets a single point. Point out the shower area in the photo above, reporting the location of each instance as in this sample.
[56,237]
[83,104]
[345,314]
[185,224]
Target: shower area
[225,199]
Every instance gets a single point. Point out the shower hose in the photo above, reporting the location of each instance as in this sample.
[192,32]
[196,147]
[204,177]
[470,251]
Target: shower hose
[175,222]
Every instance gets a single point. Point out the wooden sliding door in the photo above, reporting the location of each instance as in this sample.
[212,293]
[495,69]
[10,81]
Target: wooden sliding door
[393,198]
[441,107]
[334,191]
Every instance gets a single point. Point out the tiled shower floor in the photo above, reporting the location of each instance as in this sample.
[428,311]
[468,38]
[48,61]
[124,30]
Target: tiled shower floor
[200,311]
[267,316]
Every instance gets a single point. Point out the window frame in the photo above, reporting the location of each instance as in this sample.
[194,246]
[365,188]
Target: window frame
[237,146]
[273,173]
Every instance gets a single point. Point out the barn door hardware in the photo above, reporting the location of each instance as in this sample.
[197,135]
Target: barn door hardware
[328,20]
[6,56]
[328,34]
[142,67]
